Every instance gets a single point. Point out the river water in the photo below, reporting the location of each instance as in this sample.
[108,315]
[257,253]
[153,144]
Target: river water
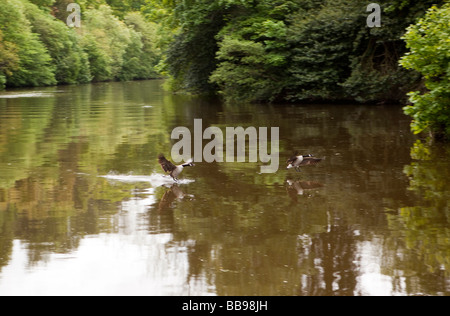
[85,208]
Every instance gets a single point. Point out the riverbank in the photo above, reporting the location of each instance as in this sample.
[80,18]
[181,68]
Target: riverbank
[259,51]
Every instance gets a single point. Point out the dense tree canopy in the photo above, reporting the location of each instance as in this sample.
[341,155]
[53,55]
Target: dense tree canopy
[38,48]
[246,50]
[292,50]
[429,45]
[34,66]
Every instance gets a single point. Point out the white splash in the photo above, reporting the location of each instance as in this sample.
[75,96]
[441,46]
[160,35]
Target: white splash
[156,180]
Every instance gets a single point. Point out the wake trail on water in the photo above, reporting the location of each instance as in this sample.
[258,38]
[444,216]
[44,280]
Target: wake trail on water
[156,180]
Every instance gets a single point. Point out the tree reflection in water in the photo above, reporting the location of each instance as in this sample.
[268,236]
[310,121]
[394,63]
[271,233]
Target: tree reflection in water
[424,227]
[373,219]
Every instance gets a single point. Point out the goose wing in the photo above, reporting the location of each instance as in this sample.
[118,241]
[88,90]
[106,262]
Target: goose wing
[166,164]
[310,161]
[292,159]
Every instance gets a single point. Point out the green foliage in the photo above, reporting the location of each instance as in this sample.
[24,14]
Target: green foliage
[9,59]
[191,56]
[99,63]
[316,49]
[252,55]
[34,66]
[143,54]
[335,56]
[120,50]
[112,37]
[62,44]
[42,3]
[201,58]
[376,74]
[122,7]
[2,82]
[38,48]
[244,72]
[248,50]
[429,45]
[322,43]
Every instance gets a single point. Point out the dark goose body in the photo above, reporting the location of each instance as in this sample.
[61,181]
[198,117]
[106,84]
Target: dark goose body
[298,161]
[170,168]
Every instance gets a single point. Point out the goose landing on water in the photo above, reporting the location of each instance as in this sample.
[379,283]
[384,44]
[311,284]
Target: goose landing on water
[170,168]
[298,161]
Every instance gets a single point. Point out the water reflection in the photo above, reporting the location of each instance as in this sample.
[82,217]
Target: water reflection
[172,194]
[297,187]
[426,223]
[81,191]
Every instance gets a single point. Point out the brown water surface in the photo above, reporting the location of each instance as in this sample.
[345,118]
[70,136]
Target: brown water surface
[85,210]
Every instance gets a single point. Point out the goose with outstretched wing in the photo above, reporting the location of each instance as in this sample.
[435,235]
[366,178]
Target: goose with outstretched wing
[298,161]
[173,170]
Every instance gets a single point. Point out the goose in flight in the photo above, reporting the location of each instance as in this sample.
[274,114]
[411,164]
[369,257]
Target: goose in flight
[170,168]
[298,161]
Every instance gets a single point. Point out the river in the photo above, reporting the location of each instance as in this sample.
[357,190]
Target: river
[85,208]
